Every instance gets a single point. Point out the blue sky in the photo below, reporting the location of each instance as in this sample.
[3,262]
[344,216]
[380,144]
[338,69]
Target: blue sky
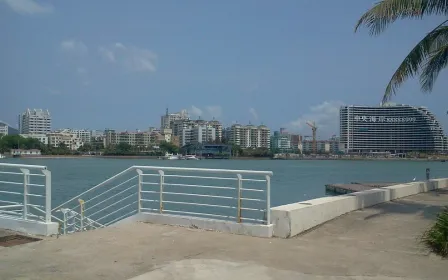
[118,64]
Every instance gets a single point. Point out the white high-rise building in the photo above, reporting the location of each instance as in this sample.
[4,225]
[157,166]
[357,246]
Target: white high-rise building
[84,135]
[36,121]
[250,136]
[198,134]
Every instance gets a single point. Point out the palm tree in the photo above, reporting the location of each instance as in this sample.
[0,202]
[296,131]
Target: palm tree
[429,56]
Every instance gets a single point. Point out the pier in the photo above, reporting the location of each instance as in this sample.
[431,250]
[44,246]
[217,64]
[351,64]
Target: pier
[355,187]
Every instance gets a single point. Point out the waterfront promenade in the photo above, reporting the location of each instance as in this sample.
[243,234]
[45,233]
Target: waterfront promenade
[380,242]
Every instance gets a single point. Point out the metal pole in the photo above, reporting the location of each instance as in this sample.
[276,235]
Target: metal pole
[26,177]
[81,205]
[47,174]
[162,181]
[240,185]
[140,183]
[268,199]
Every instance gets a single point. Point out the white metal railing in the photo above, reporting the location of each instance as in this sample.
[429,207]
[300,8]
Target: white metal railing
[237,195]
[25,192]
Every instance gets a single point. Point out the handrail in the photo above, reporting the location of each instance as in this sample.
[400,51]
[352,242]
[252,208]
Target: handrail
[229,171]
[13,165]
[95,187]
[135,167]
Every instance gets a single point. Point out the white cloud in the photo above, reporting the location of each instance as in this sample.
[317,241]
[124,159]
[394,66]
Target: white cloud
[195,111]
[214,111]
[74,46]
[107,54]
[28,7]
[325,115]
[254,113]
[131,57]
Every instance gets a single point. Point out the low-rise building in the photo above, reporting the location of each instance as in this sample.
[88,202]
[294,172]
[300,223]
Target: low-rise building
[322,147]
[22,152]
[6,129]
[64,137]
[43,138]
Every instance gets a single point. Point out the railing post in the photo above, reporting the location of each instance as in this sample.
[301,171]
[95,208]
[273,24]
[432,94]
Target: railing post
[162,181]
[47,174]
[240,185]
[81,205]
[26,177]
[268,199]
[64,226]
[139,195]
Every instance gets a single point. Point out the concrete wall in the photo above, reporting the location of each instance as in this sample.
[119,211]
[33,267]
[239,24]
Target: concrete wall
[29,227]
[292,219]
[257,230]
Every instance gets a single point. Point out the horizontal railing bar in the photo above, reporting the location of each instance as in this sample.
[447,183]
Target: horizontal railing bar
[11,206]
[13,173]
[252,209]
[253,199]
[37,175]
[200,195]
[253,180]
[195,213]
[11,192]
[133,186]
[142,208]
[150,183]
[13,165]
[122,183]
[35,195]
[154,175]
[35,185]
[35,205]
[198,186]
[201,177]
[10,202]
[149,200]
[149,192]
[116,211]
[199,204]
[205,170]
[121,217]
[250,219]
[12,183]
[115,203]
[252,190]
[10,212]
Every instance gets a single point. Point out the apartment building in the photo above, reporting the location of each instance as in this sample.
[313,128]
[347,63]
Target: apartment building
[36,121]
[83,134]
[322,146]
[6,129]
[198,134]
[250,136]
[134,138]
[69,139]
[167,119]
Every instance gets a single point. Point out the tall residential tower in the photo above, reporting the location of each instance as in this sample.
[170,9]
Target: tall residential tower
[36,121]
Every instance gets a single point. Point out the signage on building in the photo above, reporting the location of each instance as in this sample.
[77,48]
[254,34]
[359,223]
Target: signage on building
[383,119]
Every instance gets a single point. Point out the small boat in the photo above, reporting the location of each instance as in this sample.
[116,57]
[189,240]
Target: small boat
[191,157]
[171,156]
[2,156]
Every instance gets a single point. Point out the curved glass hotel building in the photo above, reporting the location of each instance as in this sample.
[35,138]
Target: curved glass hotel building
[389,128]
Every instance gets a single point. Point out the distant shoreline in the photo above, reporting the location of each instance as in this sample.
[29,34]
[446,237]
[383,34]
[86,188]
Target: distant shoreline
[233,158]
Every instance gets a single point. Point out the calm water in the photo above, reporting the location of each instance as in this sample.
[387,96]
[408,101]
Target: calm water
[292,181]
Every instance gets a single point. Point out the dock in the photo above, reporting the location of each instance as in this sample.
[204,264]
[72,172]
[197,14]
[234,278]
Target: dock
[354,187]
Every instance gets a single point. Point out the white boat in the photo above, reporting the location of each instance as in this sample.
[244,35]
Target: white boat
[191,157]
[2,156]
[171,156]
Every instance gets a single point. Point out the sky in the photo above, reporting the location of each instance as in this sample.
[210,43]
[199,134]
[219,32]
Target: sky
[118,64]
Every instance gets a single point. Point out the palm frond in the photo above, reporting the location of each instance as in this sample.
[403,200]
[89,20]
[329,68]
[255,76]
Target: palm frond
[437,61]
[416,59]
[383,13]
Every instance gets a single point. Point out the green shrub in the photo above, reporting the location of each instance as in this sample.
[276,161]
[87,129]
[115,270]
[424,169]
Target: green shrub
[436,237]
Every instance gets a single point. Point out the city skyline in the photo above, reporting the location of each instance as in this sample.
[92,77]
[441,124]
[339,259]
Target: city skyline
[261,64]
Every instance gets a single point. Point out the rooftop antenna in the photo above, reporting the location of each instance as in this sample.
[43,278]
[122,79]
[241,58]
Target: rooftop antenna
[167,111]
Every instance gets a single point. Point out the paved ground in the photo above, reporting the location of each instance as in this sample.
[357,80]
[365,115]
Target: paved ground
[375,243]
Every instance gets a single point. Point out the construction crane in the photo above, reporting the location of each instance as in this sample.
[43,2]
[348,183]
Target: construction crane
[314,129]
